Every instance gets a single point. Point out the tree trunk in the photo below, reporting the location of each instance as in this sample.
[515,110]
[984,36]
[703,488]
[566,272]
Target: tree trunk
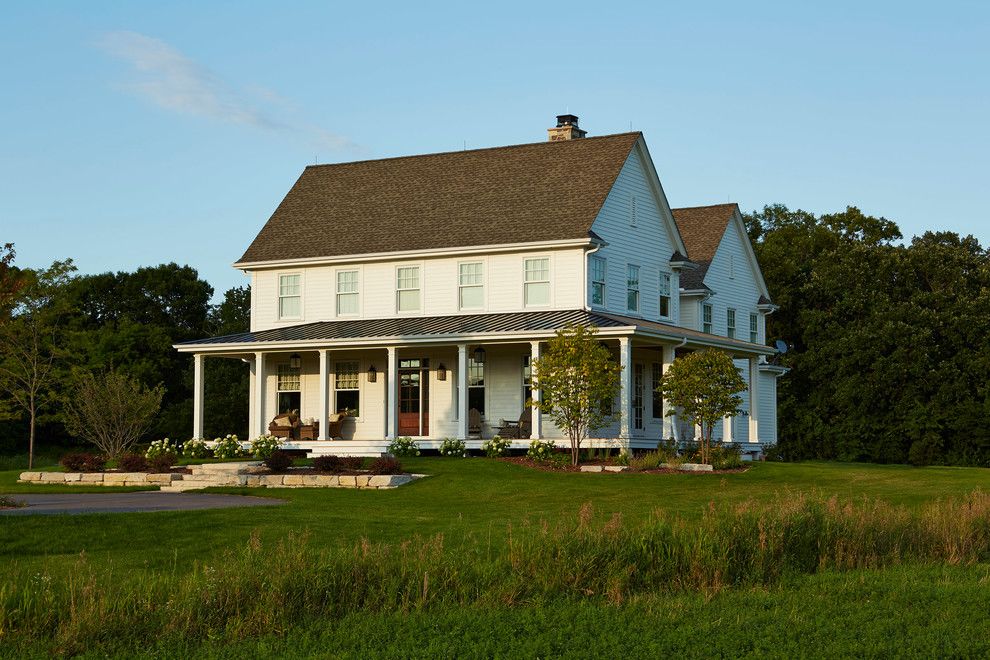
[31,437]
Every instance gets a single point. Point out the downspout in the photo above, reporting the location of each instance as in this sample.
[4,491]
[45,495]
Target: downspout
[587,255]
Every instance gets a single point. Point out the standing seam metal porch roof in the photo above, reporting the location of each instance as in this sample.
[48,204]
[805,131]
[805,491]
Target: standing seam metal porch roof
[454,325]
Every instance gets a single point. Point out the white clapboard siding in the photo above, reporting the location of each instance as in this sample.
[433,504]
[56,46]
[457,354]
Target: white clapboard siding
[647,243]
[735,284]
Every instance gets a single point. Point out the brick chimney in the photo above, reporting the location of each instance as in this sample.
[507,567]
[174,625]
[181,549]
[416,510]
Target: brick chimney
[566,129]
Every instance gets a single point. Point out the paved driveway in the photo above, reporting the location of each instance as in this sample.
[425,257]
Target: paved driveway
[38,504]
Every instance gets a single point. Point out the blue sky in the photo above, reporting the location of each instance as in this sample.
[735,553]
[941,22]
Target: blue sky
[140,133]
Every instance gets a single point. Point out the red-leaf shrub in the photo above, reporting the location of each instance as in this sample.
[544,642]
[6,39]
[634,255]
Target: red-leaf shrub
[278,461]
[337,464]
[74,462]
[162,462]
[386,465]
[132,463]
[94,463]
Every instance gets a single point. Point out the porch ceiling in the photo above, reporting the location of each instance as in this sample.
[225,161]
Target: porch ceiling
[433,328]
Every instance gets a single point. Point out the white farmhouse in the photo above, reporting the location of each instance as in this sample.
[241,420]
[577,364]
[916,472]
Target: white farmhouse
[412,293]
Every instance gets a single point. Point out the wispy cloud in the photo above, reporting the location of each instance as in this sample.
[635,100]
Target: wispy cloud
[171,80]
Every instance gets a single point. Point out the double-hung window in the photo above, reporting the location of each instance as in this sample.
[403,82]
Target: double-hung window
[657,394]
[754,333]
[288,384]
[598,281]
[706,318]
[632,288]
[536,286]
[407,289]
[664,295]
[347,292]
[476,385]
[730,323]
[347,387]
[290,296]
[527,378]
[470,286]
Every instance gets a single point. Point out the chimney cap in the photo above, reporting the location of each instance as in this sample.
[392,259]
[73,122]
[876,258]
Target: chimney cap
[567,120]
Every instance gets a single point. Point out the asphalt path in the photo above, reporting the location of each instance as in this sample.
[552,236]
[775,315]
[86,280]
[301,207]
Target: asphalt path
[74,503]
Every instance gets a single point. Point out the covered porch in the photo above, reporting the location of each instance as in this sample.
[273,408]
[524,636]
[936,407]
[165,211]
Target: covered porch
[464,377]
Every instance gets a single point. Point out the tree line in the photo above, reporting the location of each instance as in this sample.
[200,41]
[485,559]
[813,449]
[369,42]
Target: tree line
[889,358]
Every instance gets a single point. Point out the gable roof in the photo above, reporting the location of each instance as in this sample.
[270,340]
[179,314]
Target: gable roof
[702,228]
[545,191]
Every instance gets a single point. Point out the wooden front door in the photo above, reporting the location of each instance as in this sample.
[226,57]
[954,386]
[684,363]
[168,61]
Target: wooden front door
[414,398]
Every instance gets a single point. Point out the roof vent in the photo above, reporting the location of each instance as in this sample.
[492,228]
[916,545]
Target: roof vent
[566,129]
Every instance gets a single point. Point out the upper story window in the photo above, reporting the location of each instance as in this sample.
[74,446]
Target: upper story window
[754,329]
[536,287]
[347,292]
[407,289]
[290,296]
[598,281]
[471,288]
[664,295]
[632,288]
[706,318]
[730,323]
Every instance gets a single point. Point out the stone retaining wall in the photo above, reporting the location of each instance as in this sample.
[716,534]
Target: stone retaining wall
[100,478]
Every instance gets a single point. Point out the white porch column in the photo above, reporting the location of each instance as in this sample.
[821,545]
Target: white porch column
[259,394]
[625,392]
[198,360]
[537,414]
[754,399]
[670,429]
[727,430]
[392,417]
[324,392]
[462,393]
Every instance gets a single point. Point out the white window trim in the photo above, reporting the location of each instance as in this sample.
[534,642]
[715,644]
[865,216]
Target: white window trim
[483,285]
[278,295]
[670,294]
[639,290]
[549,280]
[422,288]
[273,397]
[711,316]
[604,282]
[754,328]
[360,388]
[734,328]
[336,291]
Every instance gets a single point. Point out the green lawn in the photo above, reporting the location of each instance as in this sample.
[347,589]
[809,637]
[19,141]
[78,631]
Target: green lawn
[480,499]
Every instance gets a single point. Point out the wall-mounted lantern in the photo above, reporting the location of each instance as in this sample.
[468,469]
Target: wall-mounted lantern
[295,361]
[479,355]
[441,372]
[372,374]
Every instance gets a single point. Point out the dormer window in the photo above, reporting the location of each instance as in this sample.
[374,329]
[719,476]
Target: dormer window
[598,281]
[290,296]
[664,295]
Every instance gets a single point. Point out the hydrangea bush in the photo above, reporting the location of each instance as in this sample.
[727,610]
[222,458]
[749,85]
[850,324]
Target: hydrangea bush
[160,448]
[265,445]
[540,450]
[404,446]
[195,448]
[453,447]
[227,447]
[497,446]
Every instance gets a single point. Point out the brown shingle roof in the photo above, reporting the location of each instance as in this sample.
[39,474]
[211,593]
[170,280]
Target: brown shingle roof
[701,228]
[544,191]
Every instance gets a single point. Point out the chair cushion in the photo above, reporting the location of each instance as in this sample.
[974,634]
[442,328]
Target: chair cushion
[283,422]
[334,418]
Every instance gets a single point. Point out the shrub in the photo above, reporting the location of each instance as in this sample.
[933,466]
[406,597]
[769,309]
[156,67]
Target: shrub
[162,448]
[335,464]
[78,462]
[540,450]
[667,449]
[131,462]
[453,447]
[386,465]
[265,445]
[162,462]
[195,448]
[94,463]
[404,446]
[726,457]
[497,446]
[227,447]
[278,461]
[651,460]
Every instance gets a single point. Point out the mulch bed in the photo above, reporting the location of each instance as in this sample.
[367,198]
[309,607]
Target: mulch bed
[525,461]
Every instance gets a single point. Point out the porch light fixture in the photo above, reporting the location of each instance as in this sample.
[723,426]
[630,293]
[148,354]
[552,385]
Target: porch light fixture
[295,361]
[441,372]
[479,355]
[372,374]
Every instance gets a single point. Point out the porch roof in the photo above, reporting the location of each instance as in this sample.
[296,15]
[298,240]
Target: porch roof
[462,327]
